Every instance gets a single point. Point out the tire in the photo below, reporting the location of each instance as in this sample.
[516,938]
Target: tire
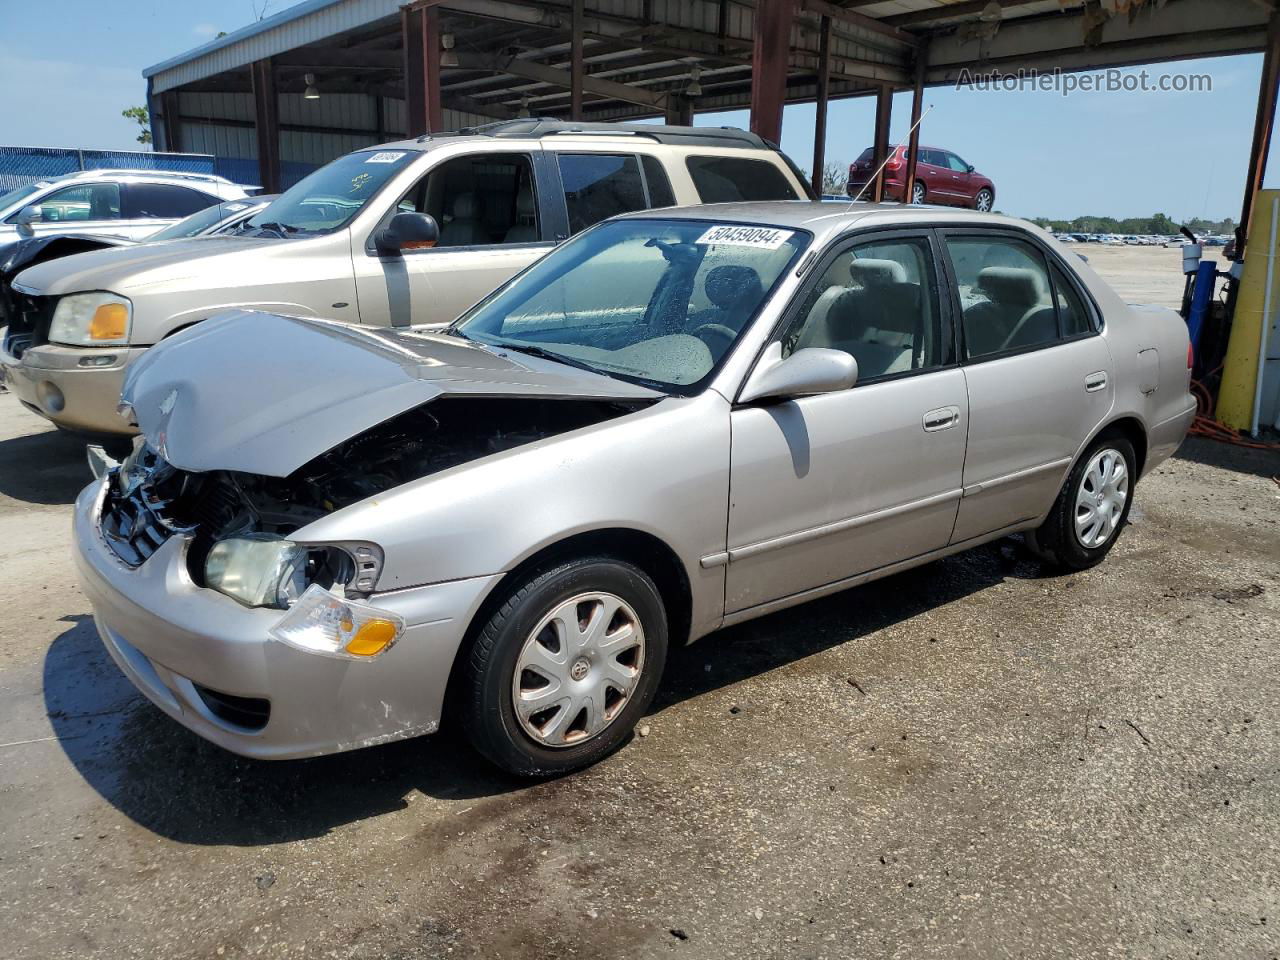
[984,200]
[1072,539]
[564,721]
[918,191]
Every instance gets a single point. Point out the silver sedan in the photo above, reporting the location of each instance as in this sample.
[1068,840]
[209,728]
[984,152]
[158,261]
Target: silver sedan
[677,421]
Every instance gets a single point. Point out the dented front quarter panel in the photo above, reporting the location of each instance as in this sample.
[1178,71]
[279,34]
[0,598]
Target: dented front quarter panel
[663,470]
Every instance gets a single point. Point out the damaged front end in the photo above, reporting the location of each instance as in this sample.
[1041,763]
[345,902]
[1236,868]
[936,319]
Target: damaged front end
[238,524]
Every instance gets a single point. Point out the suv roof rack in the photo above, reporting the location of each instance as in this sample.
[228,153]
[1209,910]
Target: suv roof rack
[536,127]
[133,172]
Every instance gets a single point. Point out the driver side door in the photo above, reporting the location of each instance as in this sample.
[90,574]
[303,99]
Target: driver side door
[827,487]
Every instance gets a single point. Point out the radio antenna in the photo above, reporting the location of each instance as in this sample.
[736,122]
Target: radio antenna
[886,160]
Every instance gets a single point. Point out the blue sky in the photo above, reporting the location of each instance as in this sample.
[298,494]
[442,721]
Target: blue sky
[68,67]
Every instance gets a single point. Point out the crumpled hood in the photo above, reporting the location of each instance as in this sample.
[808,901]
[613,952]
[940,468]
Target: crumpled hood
[127,268]
[262,393]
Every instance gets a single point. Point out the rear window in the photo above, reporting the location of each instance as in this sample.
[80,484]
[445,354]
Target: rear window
[865,155]
[735,179]
[163,201]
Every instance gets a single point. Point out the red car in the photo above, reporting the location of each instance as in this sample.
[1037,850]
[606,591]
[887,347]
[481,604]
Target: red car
[941,177]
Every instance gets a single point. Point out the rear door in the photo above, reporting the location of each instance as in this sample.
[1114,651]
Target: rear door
[149,207]
[936,173]
[826,487]
[1038,374]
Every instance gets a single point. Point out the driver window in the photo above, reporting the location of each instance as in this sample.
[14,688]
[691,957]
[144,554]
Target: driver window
[878,302]
[86,202]
[479,200]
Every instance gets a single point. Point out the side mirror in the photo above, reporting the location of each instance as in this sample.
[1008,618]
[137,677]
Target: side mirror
[808,371]
[407,231]
[970,167]
[26,217]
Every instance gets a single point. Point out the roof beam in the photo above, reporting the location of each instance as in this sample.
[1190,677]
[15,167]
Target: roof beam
[542,73]
[861,20]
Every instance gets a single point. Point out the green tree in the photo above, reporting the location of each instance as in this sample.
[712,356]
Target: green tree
[143,119]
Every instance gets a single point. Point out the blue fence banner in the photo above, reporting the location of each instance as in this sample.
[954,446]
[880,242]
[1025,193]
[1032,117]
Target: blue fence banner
[20,166]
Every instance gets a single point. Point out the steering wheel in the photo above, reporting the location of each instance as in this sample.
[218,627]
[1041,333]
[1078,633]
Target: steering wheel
[720,337]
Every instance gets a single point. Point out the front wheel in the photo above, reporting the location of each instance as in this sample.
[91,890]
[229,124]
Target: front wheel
[984,200]
[1092,507]
[562,671]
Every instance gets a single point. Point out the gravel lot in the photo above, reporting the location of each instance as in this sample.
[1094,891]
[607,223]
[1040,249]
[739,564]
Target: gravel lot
[966,760]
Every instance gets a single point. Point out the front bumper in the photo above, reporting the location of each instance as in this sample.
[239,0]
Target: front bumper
[172,638]
[49,380]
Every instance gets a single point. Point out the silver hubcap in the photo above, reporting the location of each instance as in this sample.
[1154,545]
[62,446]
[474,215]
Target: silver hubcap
[578,669]
[1100,498]
[917,193]
[984,201]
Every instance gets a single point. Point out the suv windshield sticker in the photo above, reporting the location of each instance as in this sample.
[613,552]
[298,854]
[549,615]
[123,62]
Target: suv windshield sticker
[766,238]
[387,156]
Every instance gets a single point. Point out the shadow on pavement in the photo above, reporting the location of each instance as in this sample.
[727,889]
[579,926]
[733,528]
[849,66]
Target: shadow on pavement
[759,646]
[1227,456]
[45,468]
[175,784]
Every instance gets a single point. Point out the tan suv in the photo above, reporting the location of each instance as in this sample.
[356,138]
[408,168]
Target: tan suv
[408,232]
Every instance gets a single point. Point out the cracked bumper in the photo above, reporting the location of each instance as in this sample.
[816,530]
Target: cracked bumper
[171,638]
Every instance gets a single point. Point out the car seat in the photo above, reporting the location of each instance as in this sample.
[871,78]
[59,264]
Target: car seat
[525,229]
[463,230]
[1015,313]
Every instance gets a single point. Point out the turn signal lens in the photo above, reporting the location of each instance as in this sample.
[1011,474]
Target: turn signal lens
[110,322]
[372,638]
[329,626]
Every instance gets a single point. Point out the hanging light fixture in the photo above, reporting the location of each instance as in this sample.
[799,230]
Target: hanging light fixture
[694,89]
[991,13]
[524,108]
[311,93]
[447,57]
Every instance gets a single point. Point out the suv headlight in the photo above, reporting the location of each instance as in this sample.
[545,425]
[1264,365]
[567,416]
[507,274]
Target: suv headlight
[264,570]
[98,319]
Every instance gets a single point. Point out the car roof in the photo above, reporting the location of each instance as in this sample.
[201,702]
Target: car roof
[824,216]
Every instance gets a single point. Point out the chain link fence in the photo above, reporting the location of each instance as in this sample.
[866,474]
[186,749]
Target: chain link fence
[20,166]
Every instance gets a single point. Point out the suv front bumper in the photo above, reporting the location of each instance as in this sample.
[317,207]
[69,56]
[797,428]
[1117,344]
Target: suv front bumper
[50,381]
[190,650]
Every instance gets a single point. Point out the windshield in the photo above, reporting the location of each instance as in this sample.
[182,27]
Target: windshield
[327,199]
[13,196]
[201,221]
[657,301]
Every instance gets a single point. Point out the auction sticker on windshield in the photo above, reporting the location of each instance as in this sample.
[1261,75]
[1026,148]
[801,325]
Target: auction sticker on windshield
[387,156]
[766,238]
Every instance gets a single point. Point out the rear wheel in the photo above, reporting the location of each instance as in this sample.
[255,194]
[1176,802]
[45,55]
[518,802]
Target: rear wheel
[984,200]
[1092,507]
[917,193]
[564,669]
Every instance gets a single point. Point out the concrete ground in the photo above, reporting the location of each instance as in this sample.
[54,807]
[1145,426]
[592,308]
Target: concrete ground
[969,760]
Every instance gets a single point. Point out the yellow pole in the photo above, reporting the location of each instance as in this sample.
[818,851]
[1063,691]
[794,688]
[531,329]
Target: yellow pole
[1240,369]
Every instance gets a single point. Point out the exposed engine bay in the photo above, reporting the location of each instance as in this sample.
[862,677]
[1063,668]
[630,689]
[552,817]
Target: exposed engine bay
[149,500]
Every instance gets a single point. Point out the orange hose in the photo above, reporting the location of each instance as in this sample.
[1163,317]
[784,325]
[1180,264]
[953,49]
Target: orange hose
[1205,426]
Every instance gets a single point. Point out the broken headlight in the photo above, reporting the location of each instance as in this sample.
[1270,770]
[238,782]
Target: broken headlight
[264,570]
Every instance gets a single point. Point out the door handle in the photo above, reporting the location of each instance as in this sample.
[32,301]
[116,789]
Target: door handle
[1095,381]
[941,419]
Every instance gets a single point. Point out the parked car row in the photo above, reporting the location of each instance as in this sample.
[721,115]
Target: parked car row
[942,177]
[411,232]
[1117,240]
[333,533]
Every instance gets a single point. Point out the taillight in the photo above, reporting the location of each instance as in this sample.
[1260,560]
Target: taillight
[1191,356]
[895,163]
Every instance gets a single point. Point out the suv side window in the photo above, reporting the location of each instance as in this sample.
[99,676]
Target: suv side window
[478,200]
[1004,294]
[956,164]
[83,202]
[163,201]
[655,178]
[599,185]
[735,179]
[877,301]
